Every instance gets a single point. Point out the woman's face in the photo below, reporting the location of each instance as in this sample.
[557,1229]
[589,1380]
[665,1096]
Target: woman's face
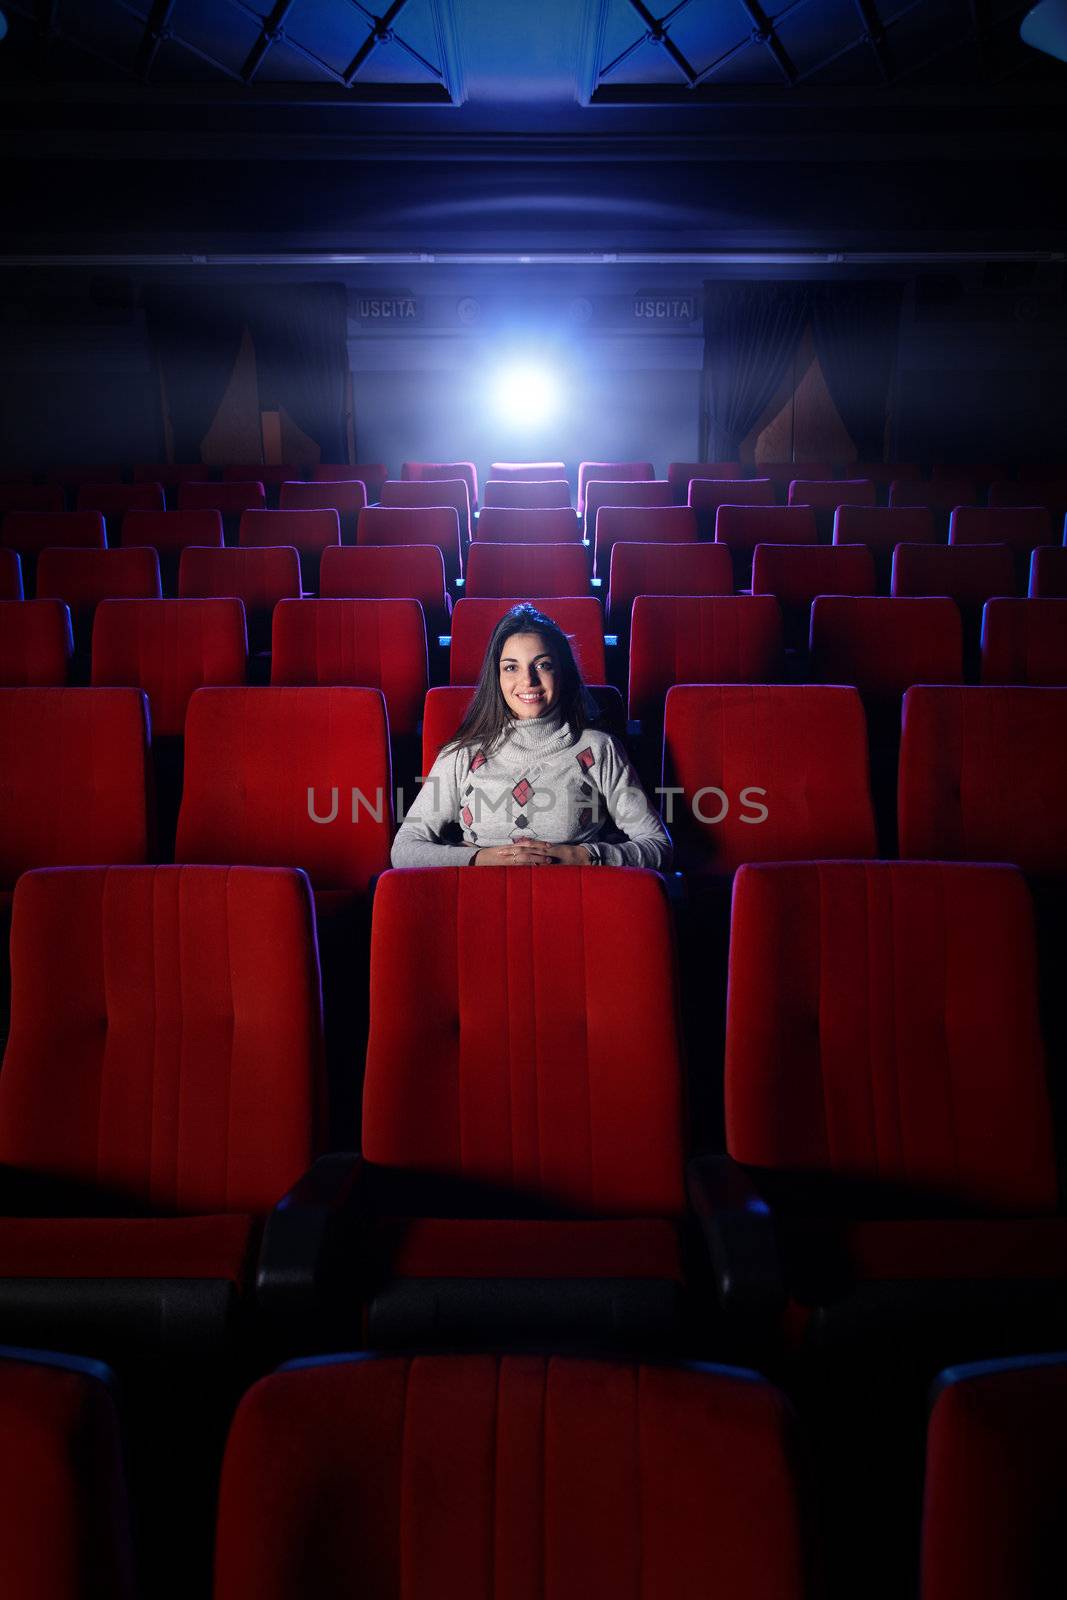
[529,675]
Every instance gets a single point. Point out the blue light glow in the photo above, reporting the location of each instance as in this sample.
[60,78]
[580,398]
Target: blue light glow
[525,396]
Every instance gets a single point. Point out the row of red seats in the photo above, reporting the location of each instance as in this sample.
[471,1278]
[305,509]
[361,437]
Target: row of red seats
[568,1475]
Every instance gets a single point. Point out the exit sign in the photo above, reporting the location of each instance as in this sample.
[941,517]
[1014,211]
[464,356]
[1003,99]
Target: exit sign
[665,307]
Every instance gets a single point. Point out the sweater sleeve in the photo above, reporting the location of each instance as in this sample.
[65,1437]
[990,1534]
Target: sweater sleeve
[647,844]
[426,836]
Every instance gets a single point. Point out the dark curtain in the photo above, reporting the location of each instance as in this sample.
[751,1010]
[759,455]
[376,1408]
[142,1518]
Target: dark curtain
[300,335]
[196,334]
[751,331]
[856,330]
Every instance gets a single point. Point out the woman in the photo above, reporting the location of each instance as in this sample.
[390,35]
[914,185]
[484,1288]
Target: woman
[528,781]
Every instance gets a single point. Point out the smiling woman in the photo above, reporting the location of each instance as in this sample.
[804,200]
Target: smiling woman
[529,780]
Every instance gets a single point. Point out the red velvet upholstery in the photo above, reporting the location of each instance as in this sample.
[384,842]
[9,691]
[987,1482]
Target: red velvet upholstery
[378,572]
[970,574]
[372,474]
[884,646]
[616,492]
[471,1073]
[65,1524]
[273,473]
[309,532]
[1025,642]
[441,492]
[474,619]
[743,527]
[882,473]
[251,758]
[229,498]
[831,493]
[882,528]
[221,1246]
[802,750]
[83,578]
[347,499]
[1019,527]
[33,531]
[169,648]
[996,1476]
[177,1066]
[399,525]
[511,524]
[36,644]
[639,525]
[46,497]
[678,569]
[700,639]
[795,574]
[170,532]
[681,473]
[445,708]
[171,473]
[1048,573]
[113,500]
[510,493]
[10,574]
[983,773]
[882,1024]
[443,471]
[706,495]
[782,473]
[374,644]
[610,472]
[944,494]
[509,1478]
[259,578]
[527,471]
[521,569]
[435,1247]
[75,765]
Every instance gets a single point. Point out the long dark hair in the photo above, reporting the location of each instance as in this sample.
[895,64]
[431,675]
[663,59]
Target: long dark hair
[488,717]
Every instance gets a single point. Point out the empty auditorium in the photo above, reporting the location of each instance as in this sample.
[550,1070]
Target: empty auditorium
[622,437]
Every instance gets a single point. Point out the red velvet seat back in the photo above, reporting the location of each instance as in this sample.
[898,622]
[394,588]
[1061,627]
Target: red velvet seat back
[259,578]
[610,472]
[1020,527]
[1048,573]
[171,473]
[527,471]
[169,532]
[1051,493]
[373,644]
[680,475]
[523,1033]
[829,493]
[381,572]
[882,528]
[36,644]
[372,474]
[639,525]
[514,524]
[10,574]
[795,574]
[521,569]
[439,492]
[177,1065]
[617,492]
[82,578]
[273,472]
[883,646]
[942,494]
[408,525]
[347,499]
[72,476]
[443,471]
[33,531]
[1025,642]
[701,639]
[115,499]
[782,473]
[309,532]
[706,495]
[515,493]
[983,773]
[251,758]
[229,498]
[509,1478]
[742,528]
[75,786]
[882,1023]
[678,569]
[169,648]
[799,754]
[970,574]
[474,619]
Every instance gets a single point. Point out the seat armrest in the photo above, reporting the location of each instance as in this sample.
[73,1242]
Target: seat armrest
[306,1233]
[739,1233]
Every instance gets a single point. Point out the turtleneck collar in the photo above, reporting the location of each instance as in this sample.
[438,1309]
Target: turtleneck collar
[536,734]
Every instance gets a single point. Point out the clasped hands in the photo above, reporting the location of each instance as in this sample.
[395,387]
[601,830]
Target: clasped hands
[532,853]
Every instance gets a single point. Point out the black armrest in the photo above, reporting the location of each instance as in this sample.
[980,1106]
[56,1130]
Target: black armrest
[305,1233]
[738,1230]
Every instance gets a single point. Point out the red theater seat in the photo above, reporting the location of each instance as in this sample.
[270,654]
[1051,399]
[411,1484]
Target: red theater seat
[1048,573]
[943,495]
[472,1475]
[534,525]
[161,1098]
[251,758]
[64,1520]
[828,494]
[639,525]
[610,471]
[970,574]
[372,474]
[767,773]
[47,497]
[522,569]
[378,572]
[883,646]
[82,578]
[441,492]
[171,473]
[882,473]
[114,500]
[373,644]
[1025,642]
[1020,527]
[881,529]
[742,528]
[1050,493]
[706,495]
[30,532]
[886,1090]
[545,493]
[443,471]
[73,476]
[678,569]
[983,773]
[474,619]
[347,499]
[229,498]
[782,473]
[258,578]
[36,644]
[436,525]
[10,574]
[996,1477]
[270,474]
[527,471]
[795,574]
[169,533]
[446,706]
[681,473]
[615,492]
[309,533]
[169,648]
[697,639]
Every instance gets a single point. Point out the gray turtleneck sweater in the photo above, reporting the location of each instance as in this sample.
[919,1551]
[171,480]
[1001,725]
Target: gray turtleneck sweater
[538,782]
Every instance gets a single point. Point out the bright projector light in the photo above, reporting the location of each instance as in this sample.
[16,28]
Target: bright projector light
[524,396]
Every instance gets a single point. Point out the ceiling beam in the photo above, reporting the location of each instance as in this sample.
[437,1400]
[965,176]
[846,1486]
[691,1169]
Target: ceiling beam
[155,33]
[763,32]
[270,32]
